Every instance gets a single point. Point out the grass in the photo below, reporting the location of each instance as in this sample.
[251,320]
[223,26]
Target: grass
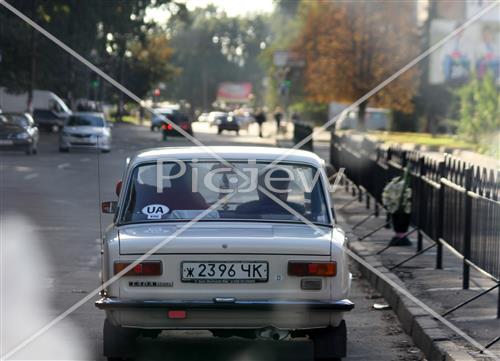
[448,141]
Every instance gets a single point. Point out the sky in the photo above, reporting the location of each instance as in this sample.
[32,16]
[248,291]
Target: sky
[235,7]
[231,7]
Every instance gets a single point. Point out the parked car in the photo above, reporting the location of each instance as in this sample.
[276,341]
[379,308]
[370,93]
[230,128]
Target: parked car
[232,122]
[179,119]
[86,130]
[251,267]
[376,119]
[203,118]
[212,117]
[18,132]
[49,111]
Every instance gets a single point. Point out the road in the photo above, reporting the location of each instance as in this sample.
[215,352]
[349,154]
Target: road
[50,260]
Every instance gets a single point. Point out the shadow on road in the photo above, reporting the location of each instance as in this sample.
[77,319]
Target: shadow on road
[174,346]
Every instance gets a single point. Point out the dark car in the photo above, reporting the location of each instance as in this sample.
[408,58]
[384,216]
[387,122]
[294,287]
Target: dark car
[231,122]
[49,119]
[18,132]
[179,119]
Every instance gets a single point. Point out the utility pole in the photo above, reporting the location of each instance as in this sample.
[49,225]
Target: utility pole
[29,105]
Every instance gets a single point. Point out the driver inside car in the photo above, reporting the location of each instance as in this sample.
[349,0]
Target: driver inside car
[178,195]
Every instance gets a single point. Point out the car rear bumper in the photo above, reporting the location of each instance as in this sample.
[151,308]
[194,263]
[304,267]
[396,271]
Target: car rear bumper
[15,144]
[285,315]
[229,126]
[115,303]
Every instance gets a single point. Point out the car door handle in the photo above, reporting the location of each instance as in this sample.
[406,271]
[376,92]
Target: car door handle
[224,300]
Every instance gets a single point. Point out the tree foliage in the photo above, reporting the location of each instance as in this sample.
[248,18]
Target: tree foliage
[478,112]
[105,32]
[211,48]
[351,47]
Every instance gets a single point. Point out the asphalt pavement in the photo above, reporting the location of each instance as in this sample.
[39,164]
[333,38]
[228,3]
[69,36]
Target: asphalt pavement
[50,259]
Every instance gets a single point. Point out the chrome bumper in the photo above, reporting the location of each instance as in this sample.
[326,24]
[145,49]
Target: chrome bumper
[108,303]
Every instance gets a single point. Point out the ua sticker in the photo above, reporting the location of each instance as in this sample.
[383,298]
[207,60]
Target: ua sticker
[155,211]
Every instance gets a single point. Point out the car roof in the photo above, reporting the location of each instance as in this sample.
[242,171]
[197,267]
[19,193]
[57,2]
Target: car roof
[228,152]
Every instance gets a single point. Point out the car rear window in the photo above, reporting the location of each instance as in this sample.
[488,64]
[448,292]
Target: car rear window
[85,120]
[173,191]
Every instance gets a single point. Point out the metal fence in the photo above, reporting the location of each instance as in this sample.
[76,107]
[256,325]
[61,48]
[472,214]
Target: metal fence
[453,203]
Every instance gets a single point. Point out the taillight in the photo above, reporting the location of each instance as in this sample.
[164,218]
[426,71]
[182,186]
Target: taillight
[303,269]
[148,268]
[167,126]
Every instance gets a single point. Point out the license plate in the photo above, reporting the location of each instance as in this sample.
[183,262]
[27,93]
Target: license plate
[6,142]
[224,272]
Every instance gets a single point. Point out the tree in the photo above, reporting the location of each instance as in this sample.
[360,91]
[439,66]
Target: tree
[100,30]
[350,48]
[478,112]
[149,63]
[212,48]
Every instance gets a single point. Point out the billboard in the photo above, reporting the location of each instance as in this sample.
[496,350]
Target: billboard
[476,48]
[234,92]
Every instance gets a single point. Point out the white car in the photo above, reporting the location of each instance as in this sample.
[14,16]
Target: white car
[241,242]
[85,130]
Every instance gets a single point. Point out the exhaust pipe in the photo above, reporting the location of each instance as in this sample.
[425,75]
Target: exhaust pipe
[271,333]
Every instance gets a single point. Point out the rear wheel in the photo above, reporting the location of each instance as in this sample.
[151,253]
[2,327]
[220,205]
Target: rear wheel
[63,150]
[118,342]
[219,130]
[329,343]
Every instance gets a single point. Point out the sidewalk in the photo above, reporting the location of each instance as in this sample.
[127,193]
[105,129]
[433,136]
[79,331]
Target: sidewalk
[439,289]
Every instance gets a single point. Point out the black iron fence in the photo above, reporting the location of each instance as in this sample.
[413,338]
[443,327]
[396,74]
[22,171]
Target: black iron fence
[453,203]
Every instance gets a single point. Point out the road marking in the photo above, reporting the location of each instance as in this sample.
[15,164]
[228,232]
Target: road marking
[63,165]
[20,168]
[85,160]
[30,176]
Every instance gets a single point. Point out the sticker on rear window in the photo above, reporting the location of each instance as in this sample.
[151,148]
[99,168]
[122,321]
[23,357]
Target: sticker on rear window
[155,211]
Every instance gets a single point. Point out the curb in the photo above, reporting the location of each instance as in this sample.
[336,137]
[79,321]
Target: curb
[427,333]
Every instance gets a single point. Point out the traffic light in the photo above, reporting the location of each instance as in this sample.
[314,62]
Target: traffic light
[157,92]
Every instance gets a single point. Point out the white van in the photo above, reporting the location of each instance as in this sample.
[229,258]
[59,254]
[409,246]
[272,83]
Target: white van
[49,110]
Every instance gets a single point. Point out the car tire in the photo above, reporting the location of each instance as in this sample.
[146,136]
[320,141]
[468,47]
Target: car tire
[28,151]
[330,344]
[34,150]
[105,150]
[118,342]
[219,130]
[238,132]
[63,150]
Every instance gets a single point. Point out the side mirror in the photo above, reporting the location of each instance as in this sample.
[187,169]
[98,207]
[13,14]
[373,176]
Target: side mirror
[109,207]
[118,188]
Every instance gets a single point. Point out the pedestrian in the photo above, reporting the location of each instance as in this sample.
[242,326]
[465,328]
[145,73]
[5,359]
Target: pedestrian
[278,116]
[260,118]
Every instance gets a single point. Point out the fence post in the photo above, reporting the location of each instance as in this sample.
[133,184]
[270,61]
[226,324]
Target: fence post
[421,214]
[440,223]
[467,228]
[498,305]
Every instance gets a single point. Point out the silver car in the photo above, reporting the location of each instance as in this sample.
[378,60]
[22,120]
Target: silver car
[85,130]
[267,262]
